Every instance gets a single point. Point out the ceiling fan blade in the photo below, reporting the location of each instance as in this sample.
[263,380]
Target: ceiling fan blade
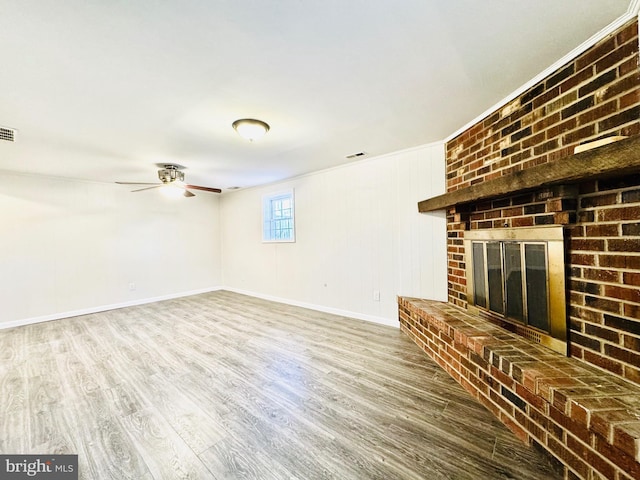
[188,194]
[137,183]
[205,189]
[148,188]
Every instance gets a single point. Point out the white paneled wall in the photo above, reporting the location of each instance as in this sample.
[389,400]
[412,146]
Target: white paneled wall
[71,247]
[358,231]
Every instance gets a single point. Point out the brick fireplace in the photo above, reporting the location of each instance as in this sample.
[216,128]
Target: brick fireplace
[516,169]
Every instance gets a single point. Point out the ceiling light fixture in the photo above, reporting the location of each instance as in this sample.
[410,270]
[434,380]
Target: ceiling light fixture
[250,128]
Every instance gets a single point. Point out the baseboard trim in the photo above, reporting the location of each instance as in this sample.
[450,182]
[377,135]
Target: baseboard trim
[390,322]
[320,308]
[103,308]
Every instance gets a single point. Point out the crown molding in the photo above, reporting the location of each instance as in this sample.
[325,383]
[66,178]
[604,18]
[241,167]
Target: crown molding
[632,12]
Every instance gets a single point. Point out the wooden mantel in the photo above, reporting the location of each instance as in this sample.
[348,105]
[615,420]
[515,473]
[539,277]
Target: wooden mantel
[615,159]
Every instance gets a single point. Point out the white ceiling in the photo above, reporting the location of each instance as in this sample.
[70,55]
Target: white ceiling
[103,90]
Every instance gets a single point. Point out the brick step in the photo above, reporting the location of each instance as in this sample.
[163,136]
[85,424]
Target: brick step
[587,418]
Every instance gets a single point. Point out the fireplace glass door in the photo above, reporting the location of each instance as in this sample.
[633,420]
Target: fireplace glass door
[517,277]
[516,280]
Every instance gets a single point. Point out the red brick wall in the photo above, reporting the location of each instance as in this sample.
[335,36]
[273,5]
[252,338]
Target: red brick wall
[605,276]
[595,95]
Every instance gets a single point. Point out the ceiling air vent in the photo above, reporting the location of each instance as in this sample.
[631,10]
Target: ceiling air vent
[356,155]
[7,134]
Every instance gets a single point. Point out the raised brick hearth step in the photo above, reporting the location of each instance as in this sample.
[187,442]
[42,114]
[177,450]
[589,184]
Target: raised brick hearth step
[585,417]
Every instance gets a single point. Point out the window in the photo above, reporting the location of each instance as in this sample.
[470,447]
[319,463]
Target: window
[278,217]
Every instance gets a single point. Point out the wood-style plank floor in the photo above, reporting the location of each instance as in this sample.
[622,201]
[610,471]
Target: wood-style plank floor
[225,386]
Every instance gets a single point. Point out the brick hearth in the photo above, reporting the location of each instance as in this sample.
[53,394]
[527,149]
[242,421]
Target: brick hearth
[587,418]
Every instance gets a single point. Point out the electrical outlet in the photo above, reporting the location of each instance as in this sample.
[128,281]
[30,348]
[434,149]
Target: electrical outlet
[376,295]
[132,287]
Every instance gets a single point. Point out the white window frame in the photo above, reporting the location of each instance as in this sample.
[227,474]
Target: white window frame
[270,224]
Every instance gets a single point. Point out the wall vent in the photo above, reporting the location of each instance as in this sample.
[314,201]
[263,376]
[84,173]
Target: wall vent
[529,333]
[7,134]
[356,155]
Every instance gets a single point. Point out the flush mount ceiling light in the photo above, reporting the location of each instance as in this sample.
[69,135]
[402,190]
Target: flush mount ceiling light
[250,128]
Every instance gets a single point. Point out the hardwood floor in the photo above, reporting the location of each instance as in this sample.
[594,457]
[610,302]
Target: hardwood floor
[225,386]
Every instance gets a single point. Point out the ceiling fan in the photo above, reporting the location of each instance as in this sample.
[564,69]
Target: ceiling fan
[171,176]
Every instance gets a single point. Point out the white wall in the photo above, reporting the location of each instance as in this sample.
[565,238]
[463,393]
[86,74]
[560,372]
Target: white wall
[358,230]
[70,247]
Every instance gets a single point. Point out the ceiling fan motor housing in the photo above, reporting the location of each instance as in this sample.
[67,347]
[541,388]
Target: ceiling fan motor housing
[170,174]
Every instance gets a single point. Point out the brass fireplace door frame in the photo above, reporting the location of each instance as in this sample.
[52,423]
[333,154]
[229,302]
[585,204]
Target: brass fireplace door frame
[553,236]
